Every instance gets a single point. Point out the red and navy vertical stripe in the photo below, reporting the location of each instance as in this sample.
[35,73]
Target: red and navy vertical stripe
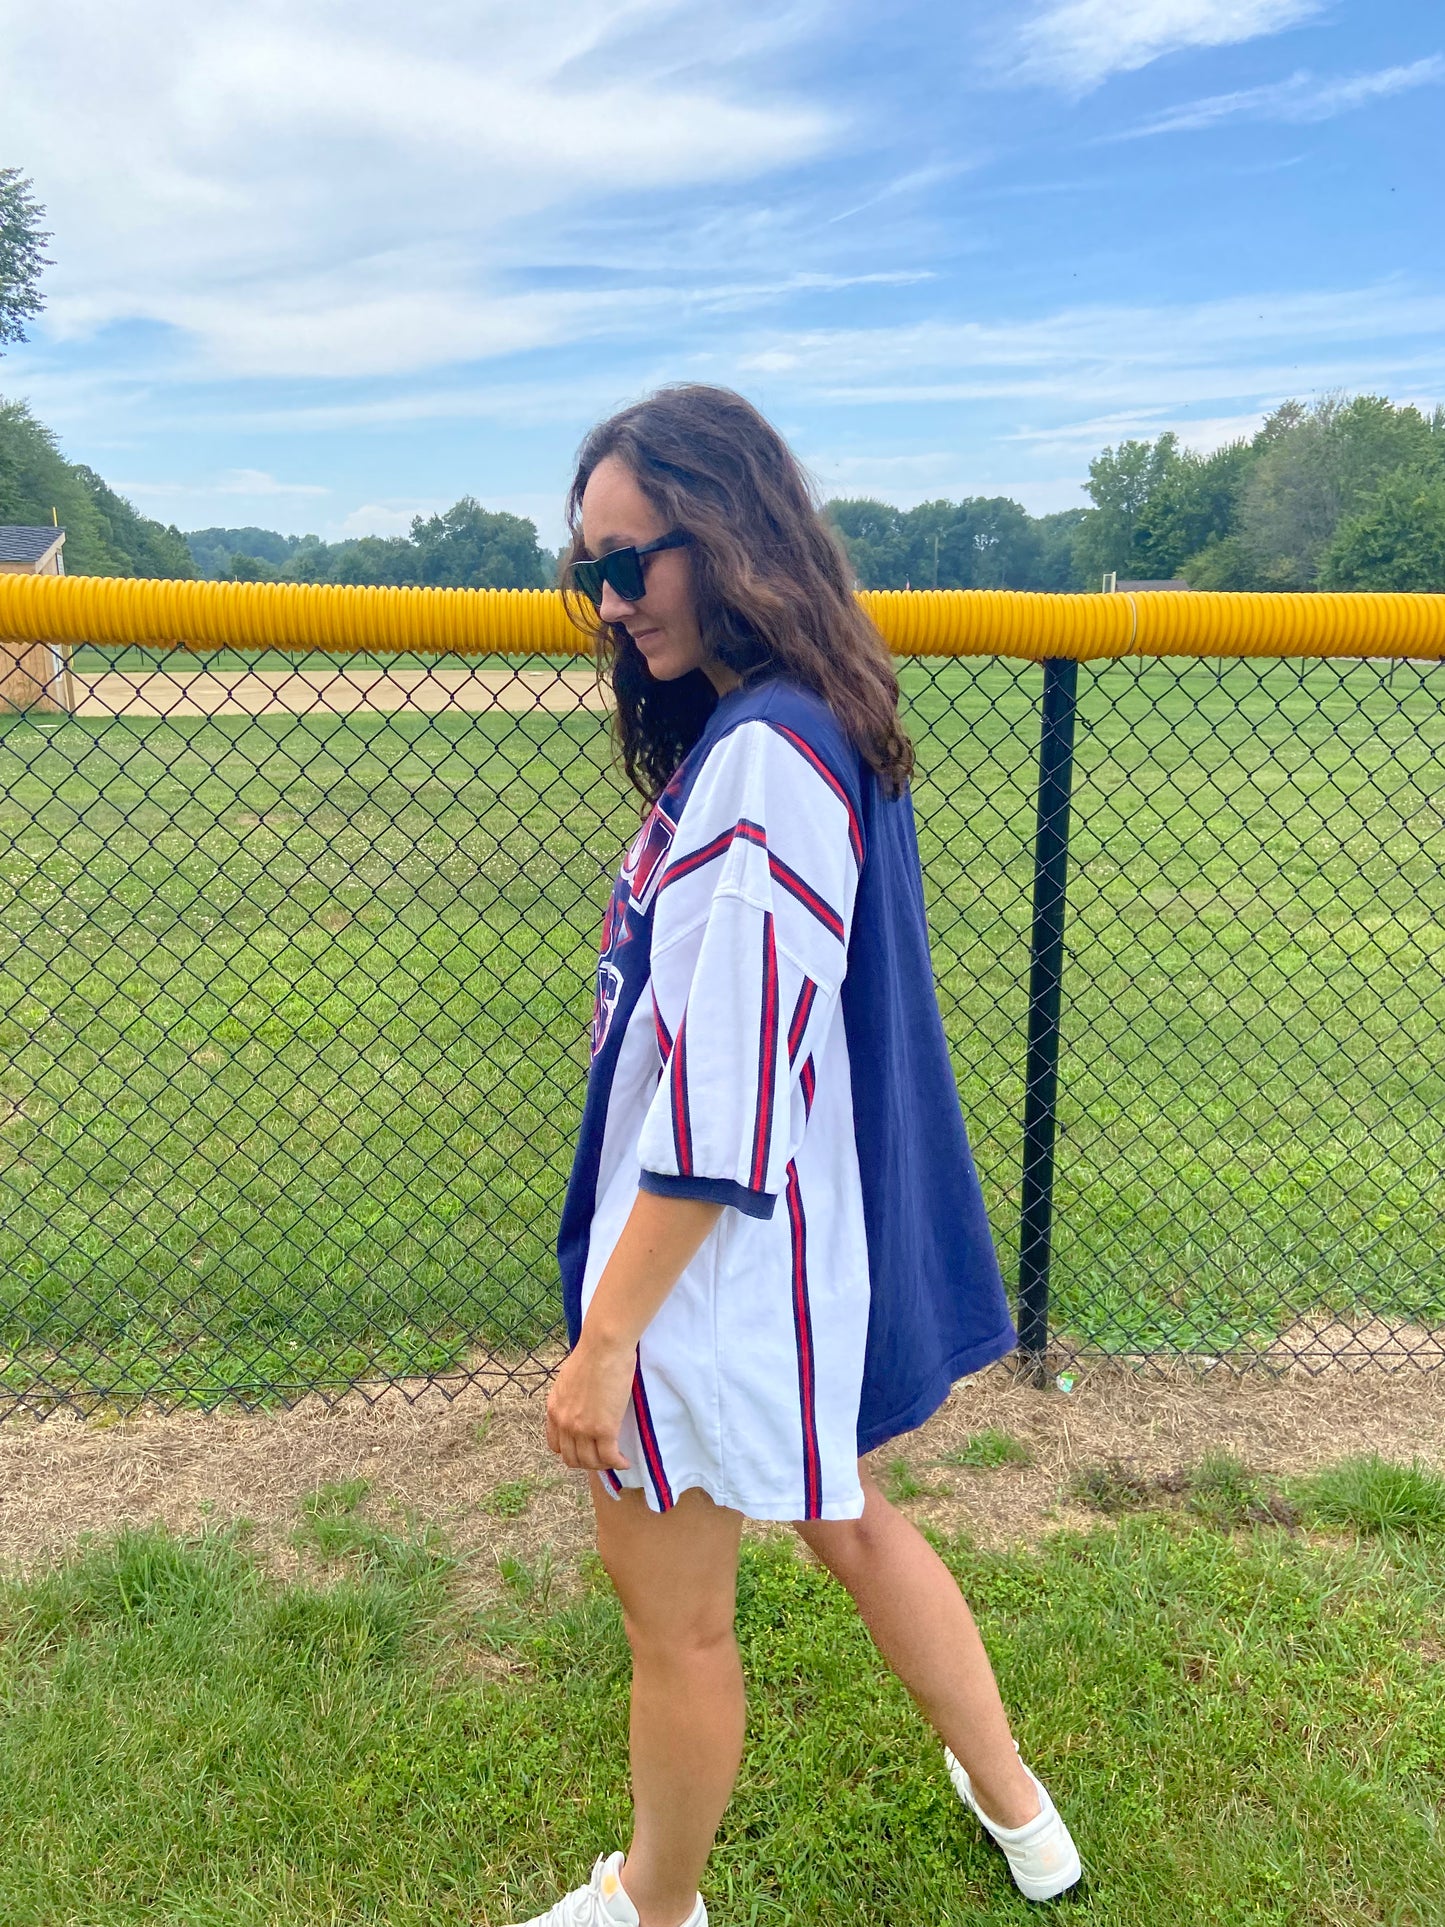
[647,1433]
[807,1362]
[681,1114]
[802,1011]
[767,1059]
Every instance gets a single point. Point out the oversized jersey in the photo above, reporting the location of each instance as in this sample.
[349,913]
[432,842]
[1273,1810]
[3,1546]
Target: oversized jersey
[766,1035]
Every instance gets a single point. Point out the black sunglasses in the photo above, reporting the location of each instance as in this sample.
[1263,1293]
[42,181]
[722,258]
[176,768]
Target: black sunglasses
[623,569]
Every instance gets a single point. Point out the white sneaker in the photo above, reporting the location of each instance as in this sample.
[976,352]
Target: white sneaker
[603,1902]
[1041,1853]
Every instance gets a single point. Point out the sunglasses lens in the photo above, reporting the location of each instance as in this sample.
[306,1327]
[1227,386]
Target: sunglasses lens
[587,579]
[623,569]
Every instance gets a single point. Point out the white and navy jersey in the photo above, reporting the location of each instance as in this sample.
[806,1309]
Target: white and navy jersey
[766,1034]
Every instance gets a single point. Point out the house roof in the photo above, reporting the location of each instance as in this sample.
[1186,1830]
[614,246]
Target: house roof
[21,544]
[1174,582]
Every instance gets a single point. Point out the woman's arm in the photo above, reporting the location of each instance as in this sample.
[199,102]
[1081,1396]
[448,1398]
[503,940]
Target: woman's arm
[589,1394]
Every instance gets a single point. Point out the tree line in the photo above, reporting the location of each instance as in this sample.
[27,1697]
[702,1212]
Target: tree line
[1347,493]
[467,547]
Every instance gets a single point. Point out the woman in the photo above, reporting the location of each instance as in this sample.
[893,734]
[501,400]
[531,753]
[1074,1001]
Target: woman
[774,1251]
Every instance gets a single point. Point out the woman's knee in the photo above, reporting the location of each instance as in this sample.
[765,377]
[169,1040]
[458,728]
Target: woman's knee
[848,1546]
[675,1577]
[841,1544]
[694,1639]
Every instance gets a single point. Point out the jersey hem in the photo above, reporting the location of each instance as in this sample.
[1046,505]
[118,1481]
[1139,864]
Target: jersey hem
[962,1365]
[775,1511]
[752,1204]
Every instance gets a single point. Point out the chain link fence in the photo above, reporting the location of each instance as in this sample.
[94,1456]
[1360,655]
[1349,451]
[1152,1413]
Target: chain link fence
[296,962]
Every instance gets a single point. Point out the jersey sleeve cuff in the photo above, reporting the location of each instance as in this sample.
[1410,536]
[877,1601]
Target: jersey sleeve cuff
[753,1204]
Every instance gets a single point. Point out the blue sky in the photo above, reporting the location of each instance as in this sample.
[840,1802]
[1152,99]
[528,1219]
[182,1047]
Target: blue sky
[322,266]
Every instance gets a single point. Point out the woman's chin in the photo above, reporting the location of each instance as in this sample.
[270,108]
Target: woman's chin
[665,667]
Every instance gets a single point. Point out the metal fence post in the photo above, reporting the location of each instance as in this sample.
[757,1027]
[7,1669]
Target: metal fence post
[1046,969]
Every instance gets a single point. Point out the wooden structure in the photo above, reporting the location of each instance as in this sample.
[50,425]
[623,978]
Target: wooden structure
[34,675]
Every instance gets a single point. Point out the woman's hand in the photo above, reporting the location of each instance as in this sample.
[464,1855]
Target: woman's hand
[590,1393]
[585,1405]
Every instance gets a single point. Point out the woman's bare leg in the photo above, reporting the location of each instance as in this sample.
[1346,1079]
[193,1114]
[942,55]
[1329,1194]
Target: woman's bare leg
[676,1576]
[921,1624]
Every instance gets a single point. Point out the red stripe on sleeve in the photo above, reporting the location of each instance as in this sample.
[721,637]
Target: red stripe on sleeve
[767,1057]
[802,1011]
[681,1116]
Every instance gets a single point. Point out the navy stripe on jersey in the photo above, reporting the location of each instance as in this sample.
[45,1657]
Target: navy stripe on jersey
[664,1042]
[802,1011]
[806,895]
[808,1078]
[804,749]
[612,1478]
[767,1058]
[685,866]
[647,1432]
[807,1364]
[681,1115]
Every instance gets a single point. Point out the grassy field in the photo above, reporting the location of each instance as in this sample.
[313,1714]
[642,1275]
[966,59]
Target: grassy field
[292,1014]
[1244,1724]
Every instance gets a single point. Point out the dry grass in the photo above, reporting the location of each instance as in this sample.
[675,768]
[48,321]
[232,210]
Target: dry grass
[476,1463]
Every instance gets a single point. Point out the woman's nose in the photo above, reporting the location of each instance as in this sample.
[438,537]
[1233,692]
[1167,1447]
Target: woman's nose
[612,608]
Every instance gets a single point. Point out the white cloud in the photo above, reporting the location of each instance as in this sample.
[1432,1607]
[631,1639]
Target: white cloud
[304,189]
[936,475]
[1079,440]
[256,481]
[384,518]
[1240,351]
[1077,44]
[1301,98]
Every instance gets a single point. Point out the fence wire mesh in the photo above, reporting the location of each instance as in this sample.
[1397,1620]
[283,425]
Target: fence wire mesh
[296,964]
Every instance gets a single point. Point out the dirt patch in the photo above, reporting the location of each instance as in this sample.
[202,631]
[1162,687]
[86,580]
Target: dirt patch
[1327,1343]
[332,692]
[471,1456]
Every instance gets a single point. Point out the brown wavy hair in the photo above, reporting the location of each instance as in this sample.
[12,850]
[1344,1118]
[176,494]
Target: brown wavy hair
[771,583]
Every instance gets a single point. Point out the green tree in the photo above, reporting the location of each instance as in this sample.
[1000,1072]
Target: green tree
[1057,568]
[22,254]
[1397,541]
[212,549]
[1122,484]
[241,567]
[872,537]
[467,547]
[471,547]
[385,561]
[1229,563]
[1194,503]
[147,547]
[982,542]
[1318,466]
[104,535]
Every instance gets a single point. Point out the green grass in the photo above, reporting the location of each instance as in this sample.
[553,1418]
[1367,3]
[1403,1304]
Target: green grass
[987,1449]
[509,1500]
[1372,1495]
[1242,1728]
[292,1017]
